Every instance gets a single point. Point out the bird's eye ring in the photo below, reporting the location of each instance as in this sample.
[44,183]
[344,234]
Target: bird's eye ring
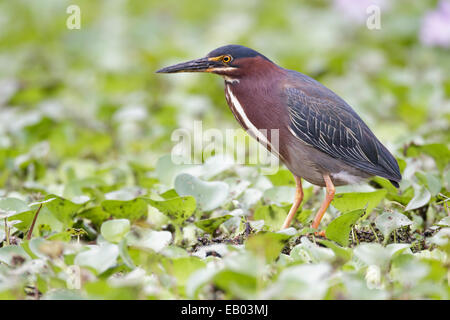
[226,59]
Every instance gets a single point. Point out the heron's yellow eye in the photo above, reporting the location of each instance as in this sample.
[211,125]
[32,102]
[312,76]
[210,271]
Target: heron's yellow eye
[226,59]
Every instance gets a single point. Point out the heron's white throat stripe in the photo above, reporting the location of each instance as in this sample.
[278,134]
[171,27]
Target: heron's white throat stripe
[238,108]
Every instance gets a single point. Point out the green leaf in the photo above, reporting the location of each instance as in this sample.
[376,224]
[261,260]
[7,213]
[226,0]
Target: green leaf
[389,221]
[281,195]
[239,285]
[62,209]
[439,152]
[96,214]
[182,268]
[56,214]
[149,239]
[267,244]
[306,281]
[14,205]
[115,230]
[209,195]
[197,280]
[346,202]
[344,253]
[339,229]
[176,209]
[431,181]
[283,177]
[309,252]
[272,215]
[210,225]
[9,253]
[99,258]
[167,170]
[132,210]
[376,254]
[421,197]
[445,222]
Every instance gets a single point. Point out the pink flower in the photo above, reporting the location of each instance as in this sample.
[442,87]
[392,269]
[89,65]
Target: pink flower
[435,29]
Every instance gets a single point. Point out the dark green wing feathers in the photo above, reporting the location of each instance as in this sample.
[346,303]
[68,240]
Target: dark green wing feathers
[331,126]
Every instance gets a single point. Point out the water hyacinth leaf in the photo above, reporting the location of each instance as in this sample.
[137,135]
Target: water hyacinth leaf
[62,209]
[306,216]
[9,253]
[167,170]
[344,253]
[346,202]
[182,268]
[376,254]
[421,197]
[267,244]
[272,215]
[282,178]
[125,194]
[45,219]
[102,289]
[339,229]
[309,252]
[357,288]
[169,194]
[250,197]
[431,181]
[280,195]
[210,225]
[16,209]
[124,254]
[115,230]
[215,165]
[197,280]
[445,222]
[389,221]
[236,187]
[439,152]
[307,281]
[372,254]
[13,205]
[209,195]
[34,246]
[95,214]
[239,285]
[7,214]
[64,236]
[408,270]
[149,239]
[442,237]
[133,209]
[176,209]
[172,251]
[98,258]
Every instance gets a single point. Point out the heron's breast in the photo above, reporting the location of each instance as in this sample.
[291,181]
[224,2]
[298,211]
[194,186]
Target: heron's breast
[246,117]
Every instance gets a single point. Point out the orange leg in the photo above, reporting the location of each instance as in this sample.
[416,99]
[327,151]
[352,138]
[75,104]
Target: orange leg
[297,201]
[328,198]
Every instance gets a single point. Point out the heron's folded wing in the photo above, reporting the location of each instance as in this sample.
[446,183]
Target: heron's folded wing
[335,129]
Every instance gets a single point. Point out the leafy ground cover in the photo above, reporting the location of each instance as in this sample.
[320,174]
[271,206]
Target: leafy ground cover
[85,137]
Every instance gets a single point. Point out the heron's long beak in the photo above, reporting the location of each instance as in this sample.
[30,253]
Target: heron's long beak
[198,65]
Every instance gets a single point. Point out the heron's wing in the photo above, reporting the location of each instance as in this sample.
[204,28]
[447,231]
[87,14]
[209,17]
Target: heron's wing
[331,126]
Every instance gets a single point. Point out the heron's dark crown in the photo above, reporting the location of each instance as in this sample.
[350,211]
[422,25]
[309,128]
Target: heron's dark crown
[236,51]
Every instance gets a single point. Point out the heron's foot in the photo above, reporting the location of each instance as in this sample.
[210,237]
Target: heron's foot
[320,233]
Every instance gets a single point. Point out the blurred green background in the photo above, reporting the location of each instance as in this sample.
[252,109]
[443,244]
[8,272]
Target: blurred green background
[93,92]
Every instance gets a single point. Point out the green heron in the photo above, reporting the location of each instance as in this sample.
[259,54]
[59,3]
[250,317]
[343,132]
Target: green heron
[321,138]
